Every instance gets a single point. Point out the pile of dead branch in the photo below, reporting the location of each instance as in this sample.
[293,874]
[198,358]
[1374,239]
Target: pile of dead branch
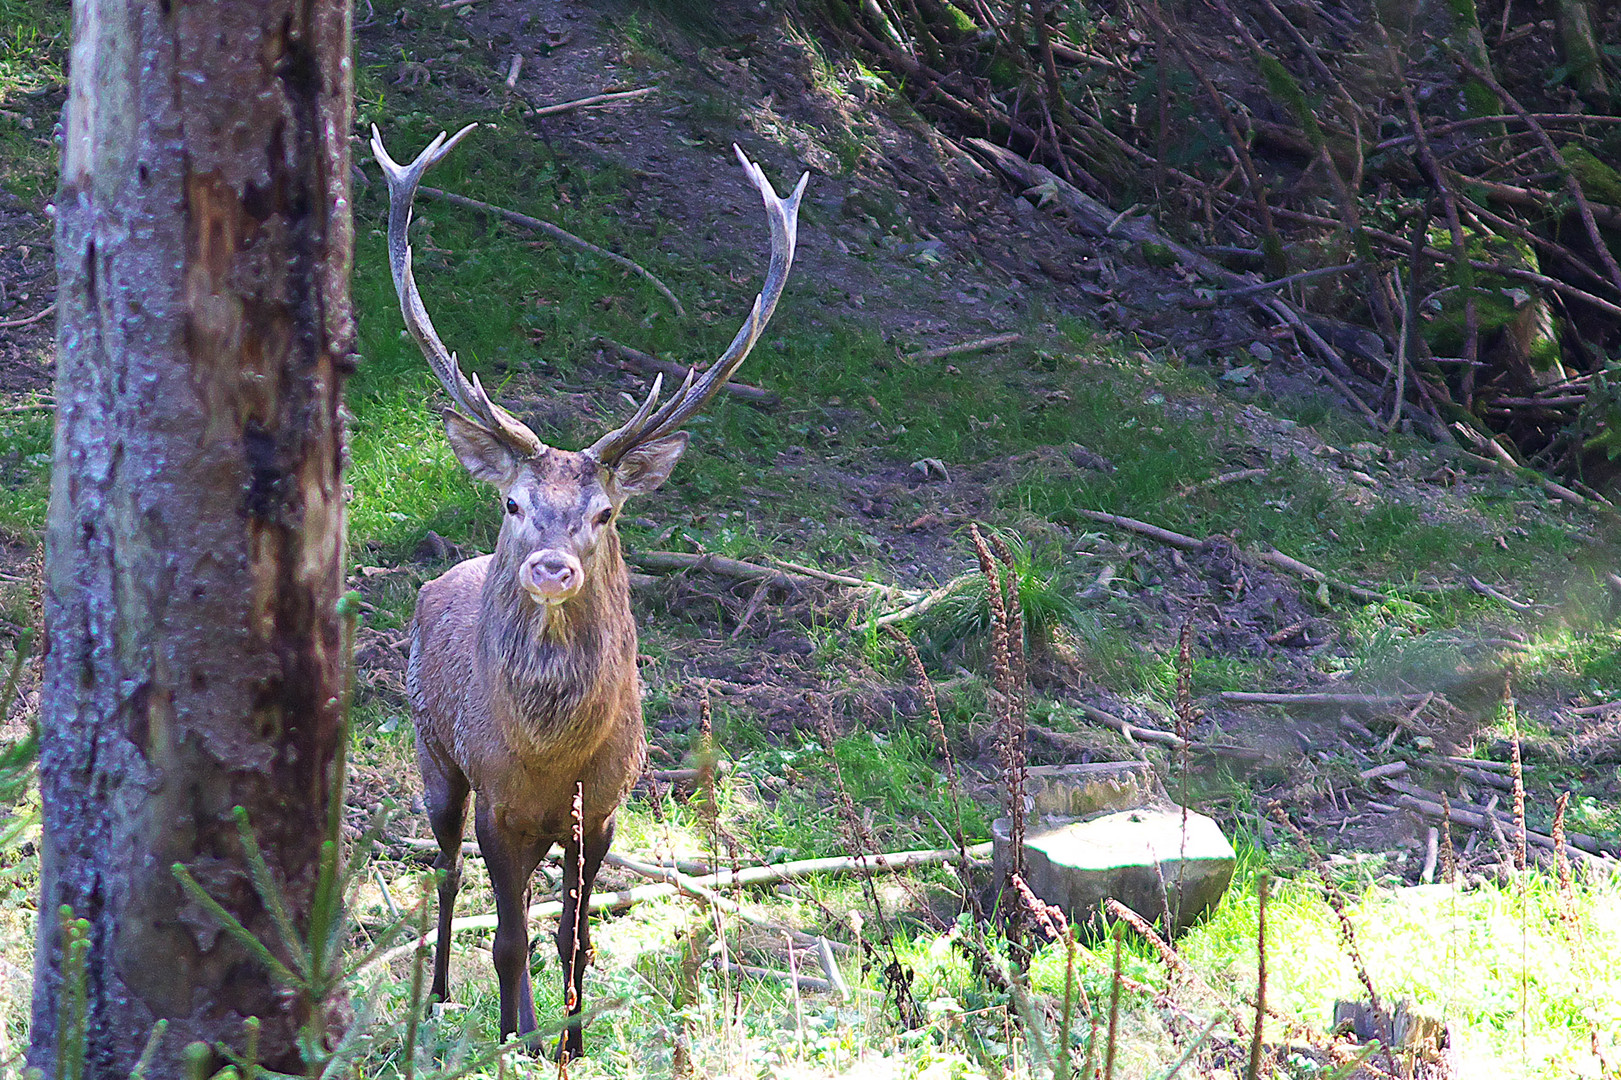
[1416,197]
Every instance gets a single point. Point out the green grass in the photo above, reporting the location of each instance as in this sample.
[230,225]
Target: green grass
[33,50]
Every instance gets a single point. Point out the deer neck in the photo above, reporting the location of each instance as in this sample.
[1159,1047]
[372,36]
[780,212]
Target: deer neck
[545,661]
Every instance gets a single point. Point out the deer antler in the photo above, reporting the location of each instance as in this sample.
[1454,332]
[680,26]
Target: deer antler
[469,397]
[647,425]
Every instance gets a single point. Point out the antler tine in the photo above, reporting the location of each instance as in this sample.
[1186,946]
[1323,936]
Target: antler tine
[783,217]
[467,395]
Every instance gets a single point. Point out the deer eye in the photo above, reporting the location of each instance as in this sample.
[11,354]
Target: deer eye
[606,516]
[512,506]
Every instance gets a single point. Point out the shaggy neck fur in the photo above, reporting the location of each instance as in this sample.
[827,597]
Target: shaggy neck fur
[552,659]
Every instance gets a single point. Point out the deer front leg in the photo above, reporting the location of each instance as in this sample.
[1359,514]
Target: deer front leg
[575,949]
[445,792]
[511,860]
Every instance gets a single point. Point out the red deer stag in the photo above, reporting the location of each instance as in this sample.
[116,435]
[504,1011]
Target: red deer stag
[522,674]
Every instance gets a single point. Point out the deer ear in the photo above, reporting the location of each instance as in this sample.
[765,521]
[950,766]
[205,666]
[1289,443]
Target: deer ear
[480,452]
[649,465]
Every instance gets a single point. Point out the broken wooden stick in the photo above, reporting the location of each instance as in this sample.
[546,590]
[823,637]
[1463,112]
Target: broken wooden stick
[669,881]
[719,565]
[1134,733]
[1581,841]
[1475,820]
[1367,701]
[6,324]
[1271,556]
[850,582]
[586,102]
[1217,481]
[894,862]
[560,233]
[976,345]
[648,364]
[804,982]
[924,603]
[1497,594]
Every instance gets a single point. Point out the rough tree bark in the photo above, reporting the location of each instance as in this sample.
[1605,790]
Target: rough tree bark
[193,552]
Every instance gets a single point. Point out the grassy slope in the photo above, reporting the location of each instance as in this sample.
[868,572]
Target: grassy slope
[1522,986]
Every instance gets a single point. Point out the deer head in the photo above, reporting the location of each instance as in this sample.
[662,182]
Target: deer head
[559,505]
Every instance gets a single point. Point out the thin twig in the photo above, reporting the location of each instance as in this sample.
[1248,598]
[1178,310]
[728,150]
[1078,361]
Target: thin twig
[1498,119]
[1285,282]
[560,233]
[6,324]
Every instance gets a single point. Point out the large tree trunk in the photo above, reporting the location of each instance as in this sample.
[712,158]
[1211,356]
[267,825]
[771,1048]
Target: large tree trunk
[193,553]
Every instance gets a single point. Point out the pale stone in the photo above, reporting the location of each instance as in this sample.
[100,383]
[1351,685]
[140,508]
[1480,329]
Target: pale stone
[1142,858]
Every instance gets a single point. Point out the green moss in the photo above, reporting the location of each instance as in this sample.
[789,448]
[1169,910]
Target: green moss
[959,18]
[1479,99]
[1158,254]
[1283,86]
[1599,181]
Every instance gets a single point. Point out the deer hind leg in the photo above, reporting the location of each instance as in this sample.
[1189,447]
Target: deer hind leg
[511,859]
[446,792]
[579,873]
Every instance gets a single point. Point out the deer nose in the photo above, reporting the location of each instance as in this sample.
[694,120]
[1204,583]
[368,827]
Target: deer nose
[551,576]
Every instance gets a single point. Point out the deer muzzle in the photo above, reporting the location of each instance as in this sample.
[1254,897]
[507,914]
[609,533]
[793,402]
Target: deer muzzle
[551,576]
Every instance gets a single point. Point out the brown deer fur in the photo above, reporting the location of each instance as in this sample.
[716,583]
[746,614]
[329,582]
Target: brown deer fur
[522,675]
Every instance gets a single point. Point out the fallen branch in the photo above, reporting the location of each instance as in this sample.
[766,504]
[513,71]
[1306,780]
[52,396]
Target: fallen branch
[34,406]
[1285,282]
[586,102]
[1505,461]
[1134,733]
[1476,763]
[669,881]
[1143,528]
[1218,481]
[648,364]
[6,324]
[1368,701]
[1500,118]
[966,347]
[1594,710]
[1486,590]
[894,862]
[1537,200]
[847,581]
[1274,557]
[718,565]
[560,233]
[1433,810]
[928,601]
[1271,556]
[1390,768]
[804,982]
